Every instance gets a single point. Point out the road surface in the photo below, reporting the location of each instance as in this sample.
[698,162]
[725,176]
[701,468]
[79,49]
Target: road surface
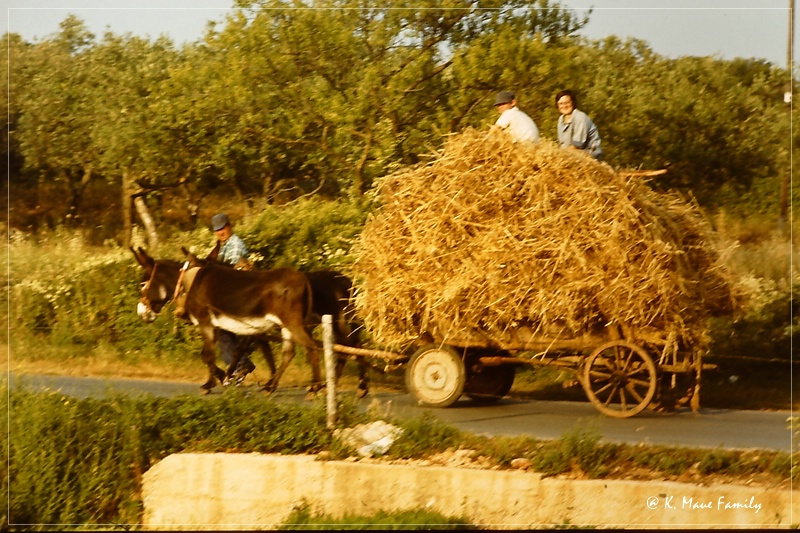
[710,428]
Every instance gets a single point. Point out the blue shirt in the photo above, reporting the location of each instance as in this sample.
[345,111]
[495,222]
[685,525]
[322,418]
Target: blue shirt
[581,133]
[233,250]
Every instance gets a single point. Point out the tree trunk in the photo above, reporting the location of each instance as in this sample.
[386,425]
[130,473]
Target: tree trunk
[147,222]
[359,187]
[127,211]
[192,204]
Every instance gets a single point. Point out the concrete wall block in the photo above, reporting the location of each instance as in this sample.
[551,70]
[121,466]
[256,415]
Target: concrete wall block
[255,491]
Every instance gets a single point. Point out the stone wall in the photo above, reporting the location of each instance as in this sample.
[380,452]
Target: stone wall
[255,491]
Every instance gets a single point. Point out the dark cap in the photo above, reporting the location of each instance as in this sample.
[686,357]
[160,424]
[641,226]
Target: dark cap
[219,221]
[503,97]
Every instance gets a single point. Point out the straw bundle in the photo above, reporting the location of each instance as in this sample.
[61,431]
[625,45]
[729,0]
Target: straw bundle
[490,238]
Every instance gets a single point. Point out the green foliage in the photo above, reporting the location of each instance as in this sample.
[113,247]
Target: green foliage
[644,106]
[307,234]
[678,461]
[762,263]
[69,462]
[372,80]
[579,448]
[85,296]
[304,518]
[378,87]
[80,461]
[766,331]
[673,463]
[502,450]
[423,436]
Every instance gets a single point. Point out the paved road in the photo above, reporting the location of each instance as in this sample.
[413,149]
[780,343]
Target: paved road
[711,428]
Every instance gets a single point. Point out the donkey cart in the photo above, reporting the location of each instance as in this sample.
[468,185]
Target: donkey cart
[496,256]
[620,377]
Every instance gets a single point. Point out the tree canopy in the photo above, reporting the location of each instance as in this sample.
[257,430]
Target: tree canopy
[288,98]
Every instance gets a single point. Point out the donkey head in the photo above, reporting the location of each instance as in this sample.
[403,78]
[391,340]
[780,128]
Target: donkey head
[158,284]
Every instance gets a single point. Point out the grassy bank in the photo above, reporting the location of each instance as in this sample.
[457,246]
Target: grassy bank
[81,461]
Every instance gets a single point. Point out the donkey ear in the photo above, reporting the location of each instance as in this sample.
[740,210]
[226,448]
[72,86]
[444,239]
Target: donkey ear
[191,258]
[213,254]
[145,260]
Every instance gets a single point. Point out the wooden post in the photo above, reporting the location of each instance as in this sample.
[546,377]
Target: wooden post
[330,370]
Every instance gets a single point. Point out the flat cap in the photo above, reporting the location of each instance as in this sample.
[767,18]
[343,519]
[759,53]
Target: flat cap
[503,97]
[219,221]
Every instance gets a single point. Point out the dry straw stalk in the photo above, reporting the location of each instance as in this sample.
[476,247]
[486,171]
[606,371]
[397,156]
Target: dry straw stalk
[496,244]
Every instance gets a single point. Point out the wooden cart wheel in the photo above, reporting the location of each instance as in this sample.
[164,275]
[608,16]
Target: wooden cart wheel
[435,375]
[620,379]
[489,383]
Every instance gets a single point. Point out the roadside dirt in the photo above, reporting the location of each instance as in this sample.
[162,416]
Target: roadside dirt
[471,459]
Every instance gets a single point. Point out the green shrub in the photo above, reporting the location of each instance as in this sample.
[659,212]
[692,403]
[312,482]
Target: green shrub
[307,234]
[673,463]
[766,330]
[579,448]
[80,461]
[762,263]
[424,436]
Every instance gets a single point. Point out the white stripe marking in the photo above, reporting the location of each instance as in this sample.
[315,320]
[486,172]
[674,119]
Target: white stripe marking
[245,326]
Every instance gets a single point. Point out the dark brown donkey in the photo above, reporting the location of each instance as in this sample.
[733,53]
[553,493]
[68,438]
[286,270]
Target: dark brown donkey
[245,303]
[331,293]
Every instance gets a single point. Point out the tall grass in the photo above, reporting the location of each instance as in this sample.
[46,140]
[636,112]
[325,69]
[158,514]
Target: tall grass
[80,461]
[765,264]
[70,299]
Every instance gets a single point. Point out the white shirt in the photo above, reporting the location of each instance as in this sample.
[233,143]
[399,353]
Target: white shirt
[520,126]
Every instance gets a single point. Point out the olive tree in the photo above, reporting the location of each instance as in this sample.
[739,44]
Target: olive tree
[57,112]
[352,88]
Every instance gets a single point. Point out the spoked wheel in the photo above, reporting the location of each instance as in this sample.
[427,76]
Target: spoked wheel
[620,379]
[435,375]
[488,384]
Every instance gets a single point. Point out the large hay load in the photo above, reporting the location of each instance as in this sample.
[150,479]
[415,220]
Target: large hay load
[497,245]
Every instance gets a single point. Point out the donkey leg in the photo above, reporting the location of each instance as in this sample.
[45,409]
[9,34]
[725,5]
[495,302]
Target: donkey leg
[363,376]
[266,351]
[363,373]
[288,355]
[209,357]
[347,335]
[301,335]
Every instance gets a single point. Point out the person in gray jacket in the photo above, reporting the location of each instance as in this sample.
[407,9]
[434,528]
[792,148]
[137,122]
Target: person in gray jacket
[576,131]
